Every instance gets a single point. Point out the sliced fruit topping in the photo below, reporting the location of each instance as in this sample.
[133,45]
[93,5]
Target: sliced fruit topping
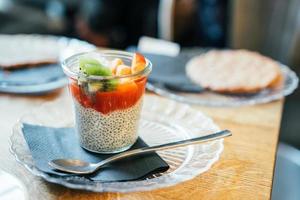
[114,64]
[103,86]
[109,85]
[83,61]
[96,67]
[123,70]
[94,87]
[96,70]
[91,66]
[138,63]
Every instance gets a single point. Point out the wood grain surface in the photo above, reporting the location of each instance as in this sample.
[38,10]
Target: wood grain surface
[244,171]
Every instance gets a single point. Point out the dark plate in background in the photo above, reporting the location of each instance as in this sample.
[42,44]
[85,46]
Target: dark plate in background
[169,72]
[38,79]
[34,80]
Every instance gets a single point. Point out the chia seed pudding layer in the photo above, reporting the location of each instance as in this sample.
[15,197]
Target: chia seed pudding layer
[107,133]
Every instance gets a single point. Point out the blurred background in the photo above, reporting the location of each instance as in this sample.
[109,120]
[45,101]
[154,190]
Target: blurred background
[271,27]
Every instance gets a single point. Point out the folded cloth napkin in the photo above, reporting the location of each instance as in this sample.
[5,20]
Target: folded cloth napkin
[169,72]
[47,143]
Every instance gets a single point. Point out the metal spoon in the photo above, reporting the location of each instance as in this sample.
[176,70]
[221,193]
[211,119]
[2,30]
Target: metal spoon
[81,167]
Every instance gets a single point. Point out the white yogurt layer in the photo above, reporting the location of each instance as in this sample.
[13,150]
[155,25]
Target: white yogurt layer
[109,133]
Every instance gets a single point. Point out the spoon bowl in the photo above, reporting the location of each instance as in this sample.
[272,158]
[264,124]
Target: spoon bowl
[73,166]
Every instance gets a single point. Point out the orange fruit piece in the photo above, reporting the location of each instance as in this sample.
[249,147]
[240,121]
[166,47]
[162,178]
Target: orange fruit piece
[123,70]
[114,65]
[138,63]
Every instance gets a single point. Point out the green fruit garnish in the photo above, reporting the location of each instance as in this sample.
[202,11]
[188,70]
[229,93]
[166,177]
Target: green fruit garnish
[97,70]
[94,87]
[103,86]
[110,85]
[91,66]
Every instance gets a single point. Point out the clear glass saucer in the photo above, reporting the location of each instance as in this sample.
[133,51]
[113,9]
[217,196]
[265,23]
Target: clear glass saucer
[162,121]
[209,98]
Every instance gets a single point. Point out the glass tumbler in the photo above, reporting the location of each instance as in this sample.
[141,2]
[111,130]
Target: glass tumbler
[107,108]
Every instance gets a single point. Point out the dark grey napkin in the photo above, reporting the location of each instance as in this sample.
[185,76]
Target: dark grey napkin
[47,143]
[169,72]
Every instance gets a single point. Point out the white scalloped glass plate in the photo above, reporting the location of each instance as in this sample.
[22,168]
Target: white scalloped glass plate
[209,98]
[162,121]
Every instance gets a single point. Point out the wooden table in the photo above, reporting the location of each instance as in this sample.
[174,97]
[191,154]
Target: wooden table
[244,171]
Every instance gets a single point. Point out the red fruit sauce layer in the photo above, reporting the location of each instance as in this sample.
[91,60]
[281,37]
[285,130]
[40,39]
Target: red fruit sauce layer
[125,96]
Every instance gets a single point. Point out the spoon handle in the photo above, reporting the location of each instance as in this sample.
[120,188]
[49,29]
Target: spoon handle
[171,145]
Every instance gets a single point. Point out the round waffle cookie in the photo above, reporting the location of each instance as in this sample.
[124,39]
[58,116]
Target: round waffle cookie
[234,71]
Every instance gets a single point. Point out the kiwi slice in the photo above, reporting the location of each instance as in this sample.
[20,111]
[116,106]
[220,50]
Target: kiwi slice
[95,87]
[110,85]
[85,60]
[96,70]
[90,66]
[104,86]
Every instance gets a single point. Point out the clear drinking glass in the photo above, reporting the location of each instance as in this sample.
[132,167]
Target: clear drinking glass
[107,108]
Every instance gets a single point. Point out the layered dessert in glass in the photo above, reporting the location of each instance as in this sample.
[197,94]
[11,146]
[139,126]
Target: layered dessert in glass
[107,89]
